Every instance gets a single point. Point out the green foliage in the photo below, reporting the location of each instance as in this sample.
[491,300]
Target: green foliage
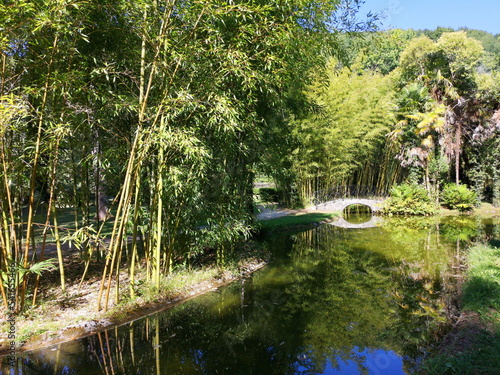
[480,356]
[452,59]
[455,118]
[409,199]
[167,107]
[21,272]
[347,130]
[172,108]
[435,34]
[490,42]
[458,197]
[420,122]
[268,195]
[384,49]
[484,171]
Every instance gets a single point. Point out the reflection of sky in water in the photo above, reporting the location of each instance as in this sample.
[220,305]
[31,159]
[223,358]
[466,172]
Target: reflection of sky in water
[367,361]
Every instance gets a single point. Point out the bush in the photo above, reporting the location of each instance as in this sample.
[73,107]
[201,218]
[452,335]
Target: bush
[268,195]
[458,197]
[409,199]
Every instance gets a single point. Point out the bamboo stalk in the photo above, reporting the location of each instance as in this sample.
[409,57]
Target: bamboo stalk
[134,239]
[159,223]
[34,169]
[59,250]
[12,236]
[49,213]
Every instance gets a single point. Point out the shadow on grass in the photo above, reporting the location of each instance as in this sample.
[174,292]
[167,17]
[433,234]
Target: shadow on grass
[479,356]
[480,293]
[296,222]
[494,242]
[66,221]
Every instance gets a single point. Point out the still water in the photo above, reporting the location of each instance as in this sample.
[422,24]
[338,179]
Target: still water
[331,301]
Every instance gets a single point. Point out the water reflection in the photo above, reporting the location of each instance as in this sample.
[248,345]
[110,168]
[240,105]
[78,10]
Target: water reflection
[374,362]
[333,301]
[357,213]
[364,221]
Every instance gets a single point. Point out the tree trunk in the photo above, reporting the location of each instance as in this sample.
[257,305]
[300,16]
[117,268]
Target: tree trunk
[458,146]
[100,193]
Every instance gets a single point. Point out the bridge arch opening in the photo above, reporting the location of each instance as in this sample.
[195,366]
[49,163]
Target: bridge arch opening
[357,213]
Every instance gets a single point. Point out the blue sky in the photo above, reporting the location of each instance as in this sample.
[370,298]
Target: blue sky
[429,14]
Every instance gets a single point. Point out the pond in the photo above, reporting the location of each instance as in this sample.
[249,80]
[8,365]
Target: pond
[332,301]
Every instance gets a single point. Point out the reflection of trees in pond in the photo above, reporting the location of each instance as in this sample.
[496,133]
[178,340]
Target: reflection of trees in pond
[329,290]
[462,228]
[343,293]
[357,213]
[415,242]
[369,295]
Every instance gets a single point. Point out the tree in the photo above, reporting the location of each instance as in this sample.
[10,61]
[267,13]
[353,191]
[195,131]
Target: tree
[165,106]
[447,68]
[347,129]
[419,127]
[209,75]
[38,52]
[383,50]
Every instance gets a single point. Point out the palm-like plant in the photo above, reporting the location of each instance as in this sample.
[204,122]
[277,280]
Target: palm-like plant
[419,128]
[17,273]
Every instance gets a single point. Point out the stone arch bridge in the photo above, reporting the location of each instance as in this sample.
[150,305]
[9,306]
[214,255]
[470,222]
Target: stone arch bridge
[375,204]
[337,198]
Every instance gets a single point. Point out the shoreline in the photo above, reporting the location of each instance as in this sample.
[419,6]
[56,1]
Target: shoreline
[86,328]
[79,327]
[68,316]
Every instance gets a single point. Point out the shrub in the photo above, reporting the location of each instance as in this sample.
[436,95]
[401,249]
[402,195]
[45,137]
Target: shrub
[458,197]
[409,199]
[268,195]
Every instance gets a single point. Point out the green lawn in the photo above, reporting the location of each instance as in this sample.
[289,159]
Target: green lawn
[475,344]
[66,223]
[296,220]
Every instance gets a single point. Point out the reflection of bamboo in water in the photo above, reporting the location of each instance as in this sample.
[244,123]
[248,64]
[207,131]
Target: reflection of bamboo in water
[58,353]
[104,362]
[156,345]
[111,366]
[105,352]
[132,348]
[428,242]
[93,350]
[119,351]
[306,238]
[242,300]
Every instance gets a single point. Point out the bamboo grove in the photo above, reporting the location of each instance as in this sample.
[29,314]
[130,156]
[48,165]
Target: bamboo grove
[150,117]
[411,106]
[142,124]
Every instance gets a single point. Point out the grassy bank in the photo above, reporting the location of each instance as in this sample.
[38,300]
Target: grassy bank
[473,345]
[60,317]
